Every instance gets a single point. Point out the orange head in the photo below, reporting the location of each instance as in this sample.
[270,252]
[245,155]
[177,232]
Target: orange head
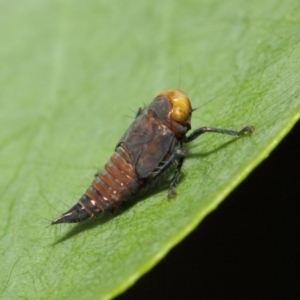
[175,110]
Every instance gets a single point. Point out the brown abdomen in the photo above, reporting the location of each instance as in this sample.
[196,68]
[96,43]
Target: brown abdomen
[116,183]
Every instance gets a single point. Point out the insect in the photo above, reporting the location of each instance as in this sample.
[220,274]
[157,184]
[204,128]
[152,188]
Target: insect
[151,146]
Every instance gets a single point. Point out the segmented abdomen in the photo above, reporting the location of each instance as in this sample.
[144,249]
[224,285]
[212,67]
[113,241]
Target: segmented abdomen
[116,183]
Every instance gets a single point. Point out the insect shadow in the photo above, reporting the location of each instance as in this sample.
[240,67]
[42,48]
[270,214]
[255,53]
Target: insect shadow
[163,186]
[108,216]
[217,149]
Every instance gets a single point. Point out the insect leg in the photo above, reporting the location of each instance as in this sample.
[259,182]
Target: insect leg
[199,131]
[181,154]
[178,156]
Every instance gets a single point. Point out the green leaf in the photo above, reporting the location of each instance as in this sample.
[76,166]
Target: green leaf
[73,74]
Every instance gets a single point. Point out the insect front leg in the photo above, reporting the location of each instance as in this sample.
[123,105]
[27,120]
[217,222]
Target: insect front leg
[201,130]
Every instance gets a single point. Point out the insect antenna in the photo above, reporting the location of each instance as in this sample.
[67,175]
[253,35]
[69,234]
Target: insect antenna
[180,69]
[210,100]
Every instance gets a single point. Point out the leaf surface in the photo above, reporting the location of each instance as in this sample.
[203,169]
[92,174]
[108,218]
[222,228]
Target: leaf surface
[73,75]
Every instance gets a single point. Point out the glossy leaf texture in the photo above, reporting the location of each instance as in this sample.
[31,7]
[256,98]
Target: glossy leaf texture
[73,75]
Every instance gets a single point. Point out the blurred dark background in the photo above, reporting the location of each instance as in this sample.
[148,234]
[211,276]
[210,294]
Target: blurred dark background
[249,248]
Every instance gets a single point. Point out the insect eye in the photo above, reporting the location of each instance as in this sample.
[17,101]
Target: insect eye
[181,109]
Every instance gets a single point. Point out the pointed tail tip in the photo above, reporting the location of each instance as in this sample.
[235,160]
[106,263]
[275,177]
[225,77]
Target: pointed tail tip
[58,220]
[74,215]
